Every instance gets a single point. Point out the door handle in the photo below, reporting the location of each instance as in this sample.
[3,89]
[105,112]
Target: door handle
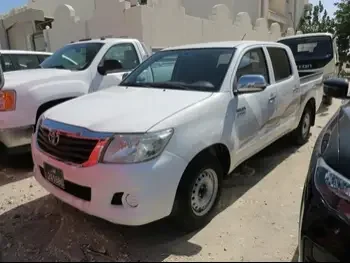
[296,89]
[272,98]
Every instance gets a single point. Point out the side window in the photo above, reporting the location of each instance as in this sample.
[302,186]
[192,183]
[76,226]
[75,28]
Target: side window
[125,54]
[6,63]
[253,62]
[26,61]
[160,71]
[42,58]
[280,63]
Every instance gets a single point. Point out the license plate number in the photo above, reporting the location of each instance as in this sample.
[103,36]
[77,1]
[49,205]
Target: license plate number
[54,175]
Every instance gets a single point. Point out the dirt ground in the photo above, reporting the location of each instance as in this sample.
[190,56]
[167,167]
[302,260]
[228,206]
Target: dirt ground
[257,219]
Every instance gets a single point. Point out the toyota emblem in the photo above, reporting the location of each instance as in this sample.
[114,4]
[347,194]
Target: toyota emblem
[54,137]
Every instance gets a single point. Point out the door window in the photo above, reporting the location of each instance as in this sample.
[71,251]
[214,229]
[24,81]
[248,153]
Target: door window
[280,63]
[253,62]
[6,63]
[125,54]
[25,61]
[42,58]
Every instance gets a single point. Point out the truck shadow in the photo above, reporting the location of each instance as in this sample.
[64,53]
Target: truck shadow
[48,230]
[255,169]
[15,168]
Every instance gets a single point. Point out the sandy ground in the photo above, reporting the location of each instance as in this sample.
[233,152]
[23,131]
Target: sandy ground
[257,220]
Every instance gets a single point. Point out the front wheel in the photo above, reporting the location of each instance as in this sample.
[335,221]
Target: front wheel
[198,194]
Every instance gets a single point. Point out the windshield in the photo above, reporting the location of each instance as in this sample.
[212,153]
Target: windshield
[188,69]
[73,57]
[306,48]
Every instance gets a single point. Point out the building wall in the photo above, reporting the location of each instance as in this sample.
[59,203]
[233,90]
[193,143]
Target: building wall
[17,28]
[204,9]
[83,8]
[153,24]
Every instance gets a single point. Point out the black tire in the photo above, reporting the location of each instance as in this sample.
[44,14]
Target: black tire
[183,213]
[327,100]
[302,133]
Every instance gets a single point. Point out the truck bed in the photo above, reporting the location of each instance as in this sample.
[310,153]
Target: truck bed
[311,82]
[310,77]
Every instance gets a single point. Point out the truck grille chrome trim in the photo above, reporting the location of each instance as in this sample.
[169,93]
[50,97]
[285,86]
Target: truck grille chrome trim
[66,143]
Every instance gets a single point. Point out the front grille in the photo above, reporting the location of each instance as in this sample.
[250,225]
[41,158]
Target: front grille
[69,149]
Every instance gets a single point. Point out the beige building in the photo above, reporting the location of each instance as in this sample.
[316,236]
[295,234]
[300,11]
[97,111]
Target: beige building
[285,12]
[23,27]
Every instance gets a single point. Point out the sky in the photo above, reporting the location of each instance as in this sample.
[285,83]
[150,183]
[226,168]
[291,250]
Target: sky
[328,5]
[7,5]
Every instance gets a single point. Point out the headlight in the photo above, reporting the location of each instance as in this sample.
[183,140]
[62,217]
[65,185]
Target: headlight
[7,100]
[135,148]
[39,122]
[334,188]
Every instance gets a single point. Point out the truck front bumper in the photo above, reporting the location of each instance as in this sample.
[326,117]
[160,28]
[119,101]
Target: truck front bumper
[15,138]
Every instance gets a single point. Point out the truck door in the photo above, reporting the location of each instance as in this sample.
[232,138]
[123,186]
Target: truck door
[122,58]
[287,85]
[255,113]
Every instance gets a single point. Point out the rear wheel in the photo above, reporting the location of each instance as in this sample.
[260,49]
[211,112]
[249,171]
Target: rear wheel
[198,194]
[302,133]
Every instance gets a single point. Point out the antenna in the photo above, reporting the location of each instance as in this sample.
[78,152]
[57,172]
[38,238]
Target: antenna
[244,36]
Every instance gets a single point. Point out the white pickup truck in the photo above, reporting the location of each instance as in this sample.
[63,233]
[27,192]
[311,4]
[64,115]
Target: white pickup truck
[74,70]
[161,143]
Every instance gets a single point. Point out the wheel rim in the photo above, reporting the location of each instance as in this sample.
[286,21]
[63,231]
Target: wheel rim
[204,192]
[306,125]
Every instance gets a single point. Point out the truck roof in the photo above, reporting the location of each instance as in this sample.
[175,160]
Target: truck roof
[13,51]
[106,40]
[307,35]
[224,44]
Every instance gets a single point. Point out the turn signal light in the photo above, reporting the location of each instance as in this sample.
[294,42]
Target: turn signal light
[7,100]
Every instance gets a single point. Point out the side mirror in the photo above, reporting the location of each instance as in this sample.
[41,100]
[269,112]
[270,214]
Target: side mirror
[109,66]
[250,84]
[337,88]
[125,75]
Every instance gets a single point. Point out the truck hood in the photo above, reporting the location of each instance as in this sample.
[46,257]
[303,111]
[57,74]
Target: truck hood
[34,76]
[124,109]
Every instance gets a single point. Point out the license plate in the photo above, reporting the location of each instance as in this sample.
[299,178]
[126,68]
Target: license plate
[54,175]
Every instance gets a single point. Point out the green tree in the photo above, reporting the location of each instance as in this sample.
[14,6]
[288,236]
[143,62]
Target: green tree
[316,19]
[342,28]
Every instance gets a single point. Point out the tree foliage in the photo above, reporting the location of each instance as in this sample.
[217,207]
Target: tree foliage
[316,19]
[342,28]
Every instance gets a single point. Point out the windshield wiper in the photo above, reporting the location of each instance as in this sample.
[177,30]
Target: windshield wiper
[57,67]
[165,85]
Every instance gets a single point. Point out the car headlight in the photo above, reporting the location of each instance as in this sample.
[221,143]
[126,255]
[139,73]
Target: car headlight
[135,148]
[39,122]
[334,188]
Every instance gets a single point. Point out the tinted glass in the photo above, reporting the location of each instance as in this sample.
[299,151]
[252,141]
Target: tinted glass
[253,62]
[25,61]
[193,69]
[6,63]
[125,54]
[73,57]
[311,52]
[280,63]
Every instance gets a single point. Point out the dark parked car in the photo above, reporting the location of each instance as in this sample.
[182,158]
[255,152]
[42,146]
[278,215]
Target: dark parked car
[324,230]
